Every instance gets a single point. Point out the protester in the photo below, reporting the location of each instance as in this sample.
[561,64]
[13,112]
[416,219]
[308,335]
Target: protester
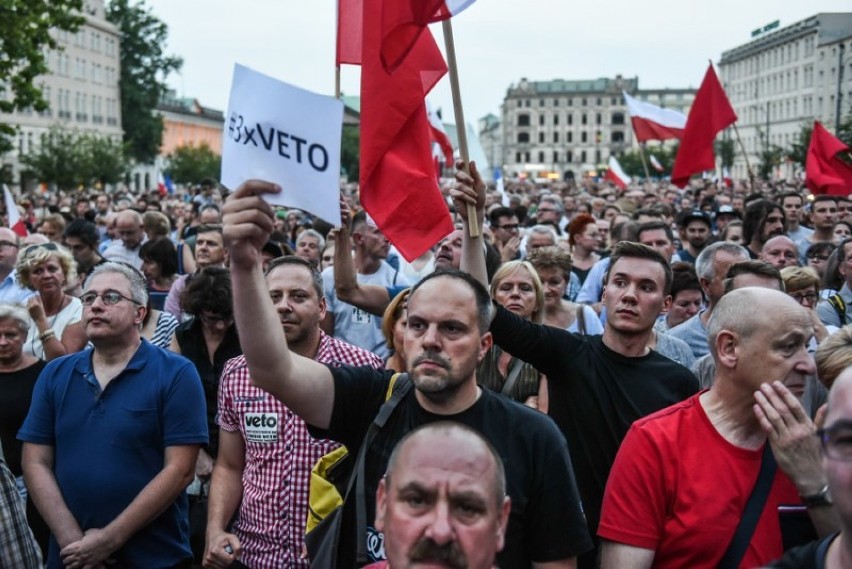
[444,341]
[130,233]
[393,328]
[695,234]
[209,252]
[802,285]
[443,464]
[264,467]
[687,297]
[763,219]
[817,257]
[55,328]
[733,233]
[18,548]
[309,245]
[108,473]
[81,238]
[11,292]
[585,240]
[837,309]
[159,265]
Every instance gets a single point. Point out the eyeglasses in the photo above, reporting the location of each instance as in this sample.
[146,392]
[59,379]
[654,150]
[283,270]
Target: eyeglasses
[7,244]
[836,441]
[545,210]
[818,257]
[46,246]
[213,319]
[509,226]
[810,297]
[109,298]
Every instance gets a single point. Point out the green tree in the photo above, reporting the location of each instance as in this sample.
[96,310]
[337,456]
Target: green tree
[189,164]
[349,152]
[69,160]
[144,68]
[725,150]
[25,39]
[631,162]
[798,150]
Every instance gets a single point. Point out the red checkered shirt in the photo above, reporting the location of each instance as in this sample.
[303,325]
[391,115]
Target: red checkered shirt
[279,456]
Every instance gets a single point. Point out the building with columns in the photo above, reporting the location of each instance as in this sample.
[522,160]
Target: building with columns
[561,129]
[81,87]
[785,78]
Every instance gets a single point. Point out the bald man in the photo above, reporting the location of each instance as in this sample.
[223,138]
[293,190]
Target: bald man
[683,476]
[443,500]
[129,238]
[780,252]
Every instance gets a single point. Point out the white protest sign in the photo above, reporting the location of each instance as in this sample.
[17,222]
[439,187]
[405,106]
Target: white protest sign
[286,135]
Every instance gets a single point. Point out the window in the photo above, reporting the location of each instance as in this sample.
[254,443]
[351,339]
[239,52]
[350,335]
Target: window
[599,101]
[583,102]
[597,156]
[517,157]
[617,118]
[524,120]
[583,137]
[526,156]
[527,103]
[584,119]
[541,157]
[569,157]
[583,156]
[555,119]
[598,118]
[617,136]
[523,137]
[541,120]
[570,119]
[555,102]
[556,138]
[541,138]
[541,102]
[570,138]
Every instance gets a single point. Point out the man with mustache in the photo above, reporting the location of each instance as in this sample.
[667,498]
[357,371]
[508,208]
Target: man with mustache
[445,339]
[443,500]
[265,451]
[763,219]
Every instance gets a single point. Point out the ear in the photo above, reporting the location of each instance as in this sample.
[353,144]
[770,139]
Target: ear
[485,343]
[503,520]
[667,304]
[381,505]
[140,314]
[323,307]
[727,349]
[705,287]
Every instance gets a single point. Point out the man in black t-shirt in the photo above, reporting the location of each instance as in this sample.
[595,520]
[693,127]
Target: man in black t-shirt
[445,339]
[597,385]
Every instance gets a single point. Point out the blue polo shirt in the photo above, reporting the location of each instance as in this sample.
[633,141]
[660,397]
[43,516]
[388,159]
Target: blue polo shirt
[109,444]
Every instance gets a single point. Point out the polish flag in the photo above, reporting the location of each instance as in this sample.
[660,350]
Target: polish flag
[161,184]
[439,134]
[616,175]
[651,122]
[655,163]
[404,20]
[16,224]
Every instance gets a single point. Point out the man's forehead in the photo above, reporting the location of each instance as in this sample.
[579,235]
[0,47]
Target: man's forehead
[108,280]
[210,236]
[289,275]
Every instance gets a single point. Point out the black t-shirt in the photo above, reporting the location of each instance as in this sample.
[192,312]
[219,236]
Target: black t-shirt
[16,394]
[546,522]
[810,556]
[595,394]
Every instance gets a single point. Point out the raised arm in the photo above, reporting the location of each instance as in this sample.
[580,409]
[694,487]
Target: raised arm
[470,189]
[300,383]
[371,298]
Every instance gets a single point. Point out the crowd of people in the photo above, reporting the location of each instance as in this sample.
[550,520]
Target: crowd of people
[623,378]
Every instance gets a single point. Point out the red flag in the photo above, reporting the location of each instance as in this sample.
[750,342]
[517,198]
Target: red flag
[398,186]
[350,17]
[404,20]
[711,112]
[825,173]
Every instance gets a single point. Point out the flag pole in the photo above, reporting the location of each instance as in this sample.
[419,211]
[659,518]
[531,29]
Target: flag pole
[644,163]
[745,155]
[461,129]
[337,81]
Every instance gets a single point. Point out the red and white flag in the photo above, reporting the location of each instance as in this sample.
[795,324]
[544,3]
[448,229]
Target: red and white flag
[439,133]
[16,224]
[616,175]
[711,112]
[655,163]
[404,20]
[651,122]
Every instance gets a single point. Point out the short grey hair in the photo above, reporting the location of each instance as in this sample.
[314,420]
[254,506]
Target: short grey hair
[138,285]
[554,201]
[544,230]
[705,260]
[312,233]
[16,313]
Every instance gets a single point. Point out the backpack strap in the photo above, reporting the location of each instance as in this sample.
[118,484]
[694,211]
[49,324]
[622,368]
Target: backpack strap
[839,306]
[581,319]
[399,387]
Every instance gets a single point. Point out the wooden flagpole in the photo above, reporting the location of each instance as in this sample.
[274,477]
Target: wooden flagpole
[644,162]
[337,81]
[461,128]
[745,155]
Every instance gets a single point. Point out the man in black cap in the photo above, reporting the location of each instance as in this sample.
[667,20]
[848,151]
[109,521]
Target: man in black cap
[725,215]
[694,228]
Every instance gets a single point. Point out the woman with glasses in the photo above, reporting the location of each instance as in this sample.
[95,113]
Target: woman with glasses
[817,256]
[802,285]
[55,327]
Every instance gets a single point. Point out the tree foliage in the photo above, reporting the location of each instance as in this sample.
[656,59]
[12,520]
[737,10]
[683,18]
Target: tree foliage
[190,164]
[350,152]
[69,160]
[144,68]
[25,39]
[631,162]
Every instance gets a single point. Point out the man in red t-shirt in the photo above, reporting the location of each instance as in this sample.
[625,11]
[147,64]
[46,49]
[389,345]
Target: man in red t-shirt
[683,475]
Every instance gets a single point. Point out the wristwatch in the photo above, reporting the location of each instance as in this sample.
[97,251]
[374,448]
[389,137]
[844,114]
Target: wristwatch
[821,498]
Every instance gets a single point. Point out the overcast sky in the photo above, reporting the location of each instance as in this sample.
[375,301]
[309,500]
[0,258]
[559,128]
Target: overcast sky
[666,43]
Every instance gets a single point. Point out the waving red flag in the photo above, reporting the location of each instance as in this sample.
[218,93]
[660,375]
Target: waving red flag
[825,173]
[350,17]
[711,112]
[398,186]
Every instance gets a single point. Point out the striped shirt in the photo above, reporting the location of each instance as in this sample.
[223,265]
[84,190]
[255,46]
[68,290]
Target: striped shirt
[18,548]
[279,456]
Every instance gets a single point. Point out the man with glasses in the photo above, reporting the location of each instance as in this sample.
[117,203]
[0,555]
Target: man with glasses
[549,212]
[836,310]
[683,476]
[506,231]
[10,291]
[111,438]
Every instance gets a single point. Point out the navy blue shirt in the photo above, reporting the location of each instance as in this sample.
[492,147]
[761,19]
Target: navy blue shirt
[109,444]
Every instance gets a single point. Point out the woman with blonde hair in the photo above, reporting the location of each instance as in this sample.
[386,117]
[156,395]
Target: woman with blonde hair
[393,329]
[55,328]
[802,285]
[517,288]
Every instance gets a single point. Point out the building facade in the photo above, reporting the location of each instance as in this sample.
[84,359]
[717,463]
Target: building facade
[81,87]
[562,129]
[785,78]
